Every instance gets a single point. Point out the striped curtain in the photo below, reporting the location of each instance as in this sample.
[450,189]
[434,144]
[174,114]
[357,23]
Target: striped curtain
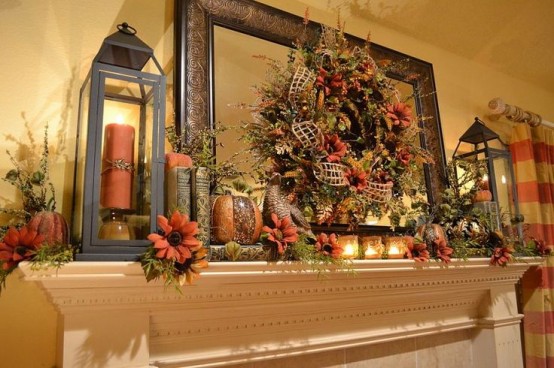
[533,155]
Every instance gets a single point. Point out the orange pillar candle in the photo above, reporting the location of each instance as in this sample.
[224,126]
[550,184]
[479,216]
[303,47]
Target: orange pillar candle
[117,166]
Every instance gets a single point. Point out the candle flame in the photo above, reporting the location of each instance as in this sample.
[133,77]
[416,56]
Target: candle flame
[485,177]
[119,119]
[394,249]
[503,179]
[348,249]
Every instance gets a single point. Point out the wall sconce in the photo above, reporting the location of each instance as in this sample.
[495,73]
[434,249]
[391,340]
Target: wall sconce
[500,173]
[350,246]
[119,163]
[372,247]
[396,247]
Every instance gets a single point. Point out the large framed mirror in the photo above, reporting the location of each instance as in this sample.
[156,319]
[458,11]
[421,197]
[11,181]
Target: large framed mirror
[204,84]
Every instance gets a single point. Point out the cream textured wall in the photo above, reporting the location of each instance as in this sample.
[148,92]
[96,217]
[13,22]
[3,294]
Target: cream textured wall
[48,46]
[47,49]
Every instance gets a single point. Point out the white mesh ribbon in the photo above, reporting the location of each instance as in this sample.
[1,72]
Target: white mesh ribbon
[302,78]
[331,173]
[308,133]
[378,192]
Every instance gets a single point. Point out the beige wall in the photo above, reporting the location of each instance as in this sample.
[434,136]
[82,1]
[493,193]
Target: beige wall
[47,49]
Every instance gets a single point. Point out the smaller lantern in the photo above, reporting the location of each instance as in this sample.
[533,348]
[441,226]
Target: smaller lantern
[499,179]
[119,163]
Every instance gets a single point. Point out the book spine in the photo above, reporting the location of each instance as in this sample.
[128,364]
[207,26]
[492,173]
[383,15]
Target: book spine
[178,189]
[201,204]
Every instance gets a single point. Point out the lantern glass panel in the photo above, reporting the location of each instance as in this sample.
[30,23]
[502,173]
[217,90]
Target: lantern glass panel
[504,190]
[79,178]
[123,209]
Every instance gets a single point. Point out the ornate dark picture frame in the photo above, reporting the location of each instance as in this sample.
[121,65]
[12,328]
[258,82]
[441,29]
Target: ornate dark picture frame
[194,88]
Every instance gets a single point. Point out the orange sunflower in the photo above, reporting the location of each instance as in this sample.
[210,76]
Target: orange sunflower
[283,234]
[18,245]
[328,245]
[178,238]
[417,250]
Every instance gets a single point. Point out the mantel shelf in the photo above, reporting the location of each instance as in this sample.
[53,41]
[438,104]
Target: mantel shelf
[246,311]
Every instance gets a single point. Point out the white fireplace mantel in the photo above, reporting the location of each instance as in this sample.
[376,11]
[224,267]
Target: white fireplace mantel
[110,316]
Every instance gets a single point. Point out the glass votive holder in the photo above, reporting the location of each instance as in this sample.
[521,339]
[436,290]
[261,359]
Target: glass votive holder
[373,247]
[396,246]
[350,245]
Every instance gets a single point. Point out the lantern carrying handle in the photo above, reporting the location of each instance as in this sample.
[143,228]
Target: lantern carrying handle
[126,28]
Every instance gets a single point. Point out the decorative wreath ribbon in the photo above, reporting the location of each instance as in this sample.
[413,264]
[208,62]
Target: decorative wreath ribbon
[119,164]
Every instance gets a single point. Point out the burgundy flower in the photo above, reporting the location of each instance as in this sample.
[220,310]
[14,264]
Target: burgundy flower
[356,178]
[178,238]
[18,245]
[328,245]
[400,114]
[417,250]
[443,250]
[501,256]
[542,248]
[404,156]
[283,234]
[330,83]
[334,147]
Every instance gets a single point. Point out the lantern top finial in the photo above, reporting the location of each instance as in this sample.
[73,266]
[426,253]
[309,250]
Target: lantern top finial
[126,28]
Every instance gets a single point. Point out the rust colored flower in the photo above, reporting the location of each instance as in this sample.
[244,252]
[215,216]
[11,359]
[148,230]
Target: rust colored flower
[18,245]
[328,245]
[283,234]
[443,250]
[178,238]
[417,250]
[501,256]
[356,178]
[404,156]
[330,83]
[335,148]
[542,248]
[400,114]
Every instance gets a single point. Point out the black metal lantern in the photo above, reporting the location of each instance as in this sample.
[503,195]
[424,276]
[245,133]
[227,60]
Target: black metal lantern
[119,163]
[486,145]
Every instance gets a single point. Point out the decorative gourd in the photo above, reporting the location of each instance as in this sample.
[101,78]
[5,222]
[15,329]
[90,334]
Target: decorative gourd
[177,160]
[235,218]
[51,225]
[431,234]
[482,196]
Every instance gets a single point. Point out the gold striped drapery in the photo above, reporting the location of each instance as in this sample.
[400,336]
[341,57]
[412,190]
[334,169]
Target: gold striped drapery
[533,156]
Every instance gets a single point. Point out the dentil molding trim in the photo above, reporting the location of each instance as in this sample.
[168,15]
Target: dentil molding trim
[248,311]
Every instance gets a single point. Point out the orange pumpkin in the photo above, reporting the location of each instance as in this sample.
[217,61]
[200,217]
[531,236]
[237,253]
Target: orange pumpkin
[235,218]
[482,196]
[177,160]
[51,225]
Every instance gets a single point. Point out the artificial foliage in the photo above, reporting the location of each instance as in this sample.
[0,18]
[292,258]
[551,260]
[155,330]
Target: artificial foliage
[339,132]
[175,255]
[33,183]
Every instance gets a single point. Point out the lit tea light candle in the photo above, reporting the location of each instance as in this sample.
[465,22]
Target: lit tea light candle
[349,244]
[396,247]
[373,248]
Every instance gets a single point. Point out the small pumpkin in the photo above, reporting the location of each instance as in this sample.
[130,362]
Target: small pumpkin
[431,234]
[482,196]
[51,225]
[174,159]
[235,218]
